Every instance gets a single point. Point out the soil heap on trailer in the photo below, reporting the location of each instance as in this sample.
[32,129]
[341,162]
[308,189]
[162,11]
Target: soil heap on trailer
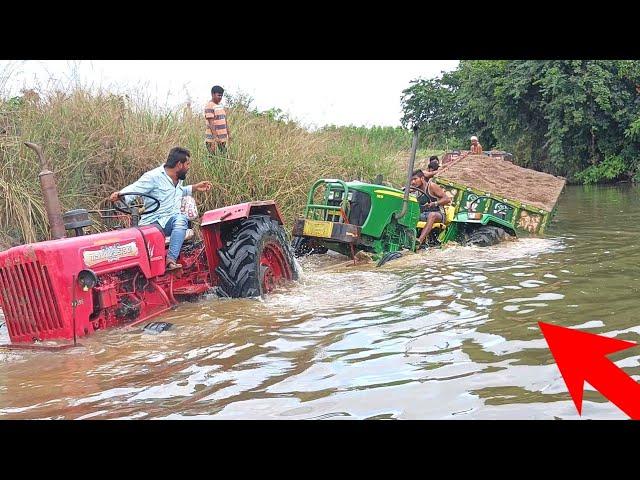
[71,286]
[498,197]
[453,155]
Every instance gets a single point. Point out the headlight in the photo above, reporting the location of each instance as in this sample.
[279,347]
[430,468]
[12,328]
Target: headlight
[87,279]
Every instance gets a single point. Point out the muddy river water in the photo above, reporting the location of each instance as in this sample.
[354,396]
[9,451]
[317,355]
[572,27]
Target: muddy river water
[447,334]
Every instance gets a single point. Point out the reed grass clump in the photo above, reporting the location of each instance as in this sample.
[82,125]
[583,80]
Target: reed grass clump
[98,142]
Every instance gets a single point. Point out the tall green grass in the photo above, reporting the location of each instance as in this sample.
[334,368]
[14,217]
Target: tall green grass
[98,142]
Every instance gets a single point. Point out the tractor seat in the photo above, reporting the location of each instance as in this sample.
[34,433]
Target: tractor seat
[449,212]
[188,237]
[439,225]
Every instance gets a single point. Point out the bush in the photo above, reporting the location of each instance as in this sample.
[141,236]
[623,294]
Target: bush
[612,168]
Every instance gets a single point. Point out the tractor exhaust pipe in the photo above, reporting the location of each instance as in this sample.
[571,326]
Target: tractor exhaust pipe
[412,161]
[50,194]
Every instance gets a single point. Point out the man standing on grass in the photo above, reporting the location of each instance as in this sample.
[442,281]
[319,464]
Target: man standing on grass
[218,134]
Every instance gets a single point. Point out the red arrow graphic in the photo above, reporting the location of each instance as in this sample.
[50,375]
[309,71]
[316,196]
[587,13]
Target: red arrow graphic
[582,357]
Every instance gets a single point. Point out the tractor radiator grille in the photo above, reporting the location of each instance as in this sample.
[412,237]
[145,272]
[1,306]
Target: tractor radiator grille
[27,299]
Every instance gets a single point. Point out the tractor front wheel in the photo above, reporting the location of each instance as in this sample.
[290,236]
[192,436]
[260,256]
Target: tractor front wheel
[303,246]
[256,259]
[486,235]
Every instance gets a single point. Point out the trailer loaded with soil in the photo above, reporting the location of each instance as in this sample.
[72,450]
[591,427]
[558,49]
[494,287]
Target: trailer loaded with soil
[492,198]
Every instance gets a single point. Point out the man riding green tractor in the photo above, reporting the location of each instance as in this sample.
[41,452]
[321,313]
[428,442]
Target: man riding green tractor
[431,198]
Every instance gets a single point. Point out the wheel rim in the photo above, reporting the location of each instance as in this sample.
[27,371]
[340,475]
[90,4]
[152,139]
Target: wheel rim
[274,267]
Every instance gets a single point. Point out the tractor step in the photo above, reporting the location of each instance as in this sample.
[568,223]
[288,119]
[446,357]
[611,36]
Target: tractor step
[192,289]
[157,327]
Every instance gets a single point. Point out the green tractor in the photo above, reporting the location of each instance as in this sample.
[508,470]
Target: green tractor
[348,217]
[354,216]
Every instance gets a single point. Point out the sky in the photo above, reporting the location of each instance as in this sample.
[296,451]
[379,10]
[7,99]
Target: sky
[313,92]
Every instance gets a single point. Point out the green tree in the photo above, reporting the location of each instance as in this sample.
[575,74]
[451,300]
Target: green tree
[577,118]
[430,105]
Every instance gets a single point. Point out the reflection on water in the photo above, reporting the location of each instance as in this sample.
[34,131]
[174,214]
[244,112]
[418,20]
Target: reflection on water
[449,333]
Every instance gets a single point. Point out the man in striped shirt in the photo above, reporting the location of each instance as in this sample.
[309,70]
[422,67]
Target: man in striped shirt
[218,134]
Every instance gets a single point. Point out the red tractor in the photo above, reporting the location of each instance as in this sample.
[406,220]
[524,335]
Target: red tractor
[69,287]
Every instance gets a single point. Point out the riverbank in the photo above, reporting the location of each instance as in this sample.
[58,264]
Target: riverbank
[97,143]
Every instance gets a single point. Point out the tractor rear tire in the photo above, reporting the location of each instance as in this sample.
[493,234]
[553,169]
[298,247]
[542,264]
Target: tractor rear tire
[257,258]
[303,246]
[486,235]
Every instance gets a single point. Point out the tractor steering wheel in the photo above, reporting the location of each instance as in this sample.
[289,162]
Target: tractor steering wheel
[128,209]
[417,190]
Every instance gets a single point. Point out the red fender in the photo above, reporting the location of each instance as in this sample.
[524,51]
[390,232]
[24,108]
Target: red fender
[242,210]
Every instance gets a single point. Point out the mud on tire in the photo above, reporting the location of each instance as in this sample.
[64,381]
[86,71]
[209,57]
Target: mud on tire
[485,236]
[256,258]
